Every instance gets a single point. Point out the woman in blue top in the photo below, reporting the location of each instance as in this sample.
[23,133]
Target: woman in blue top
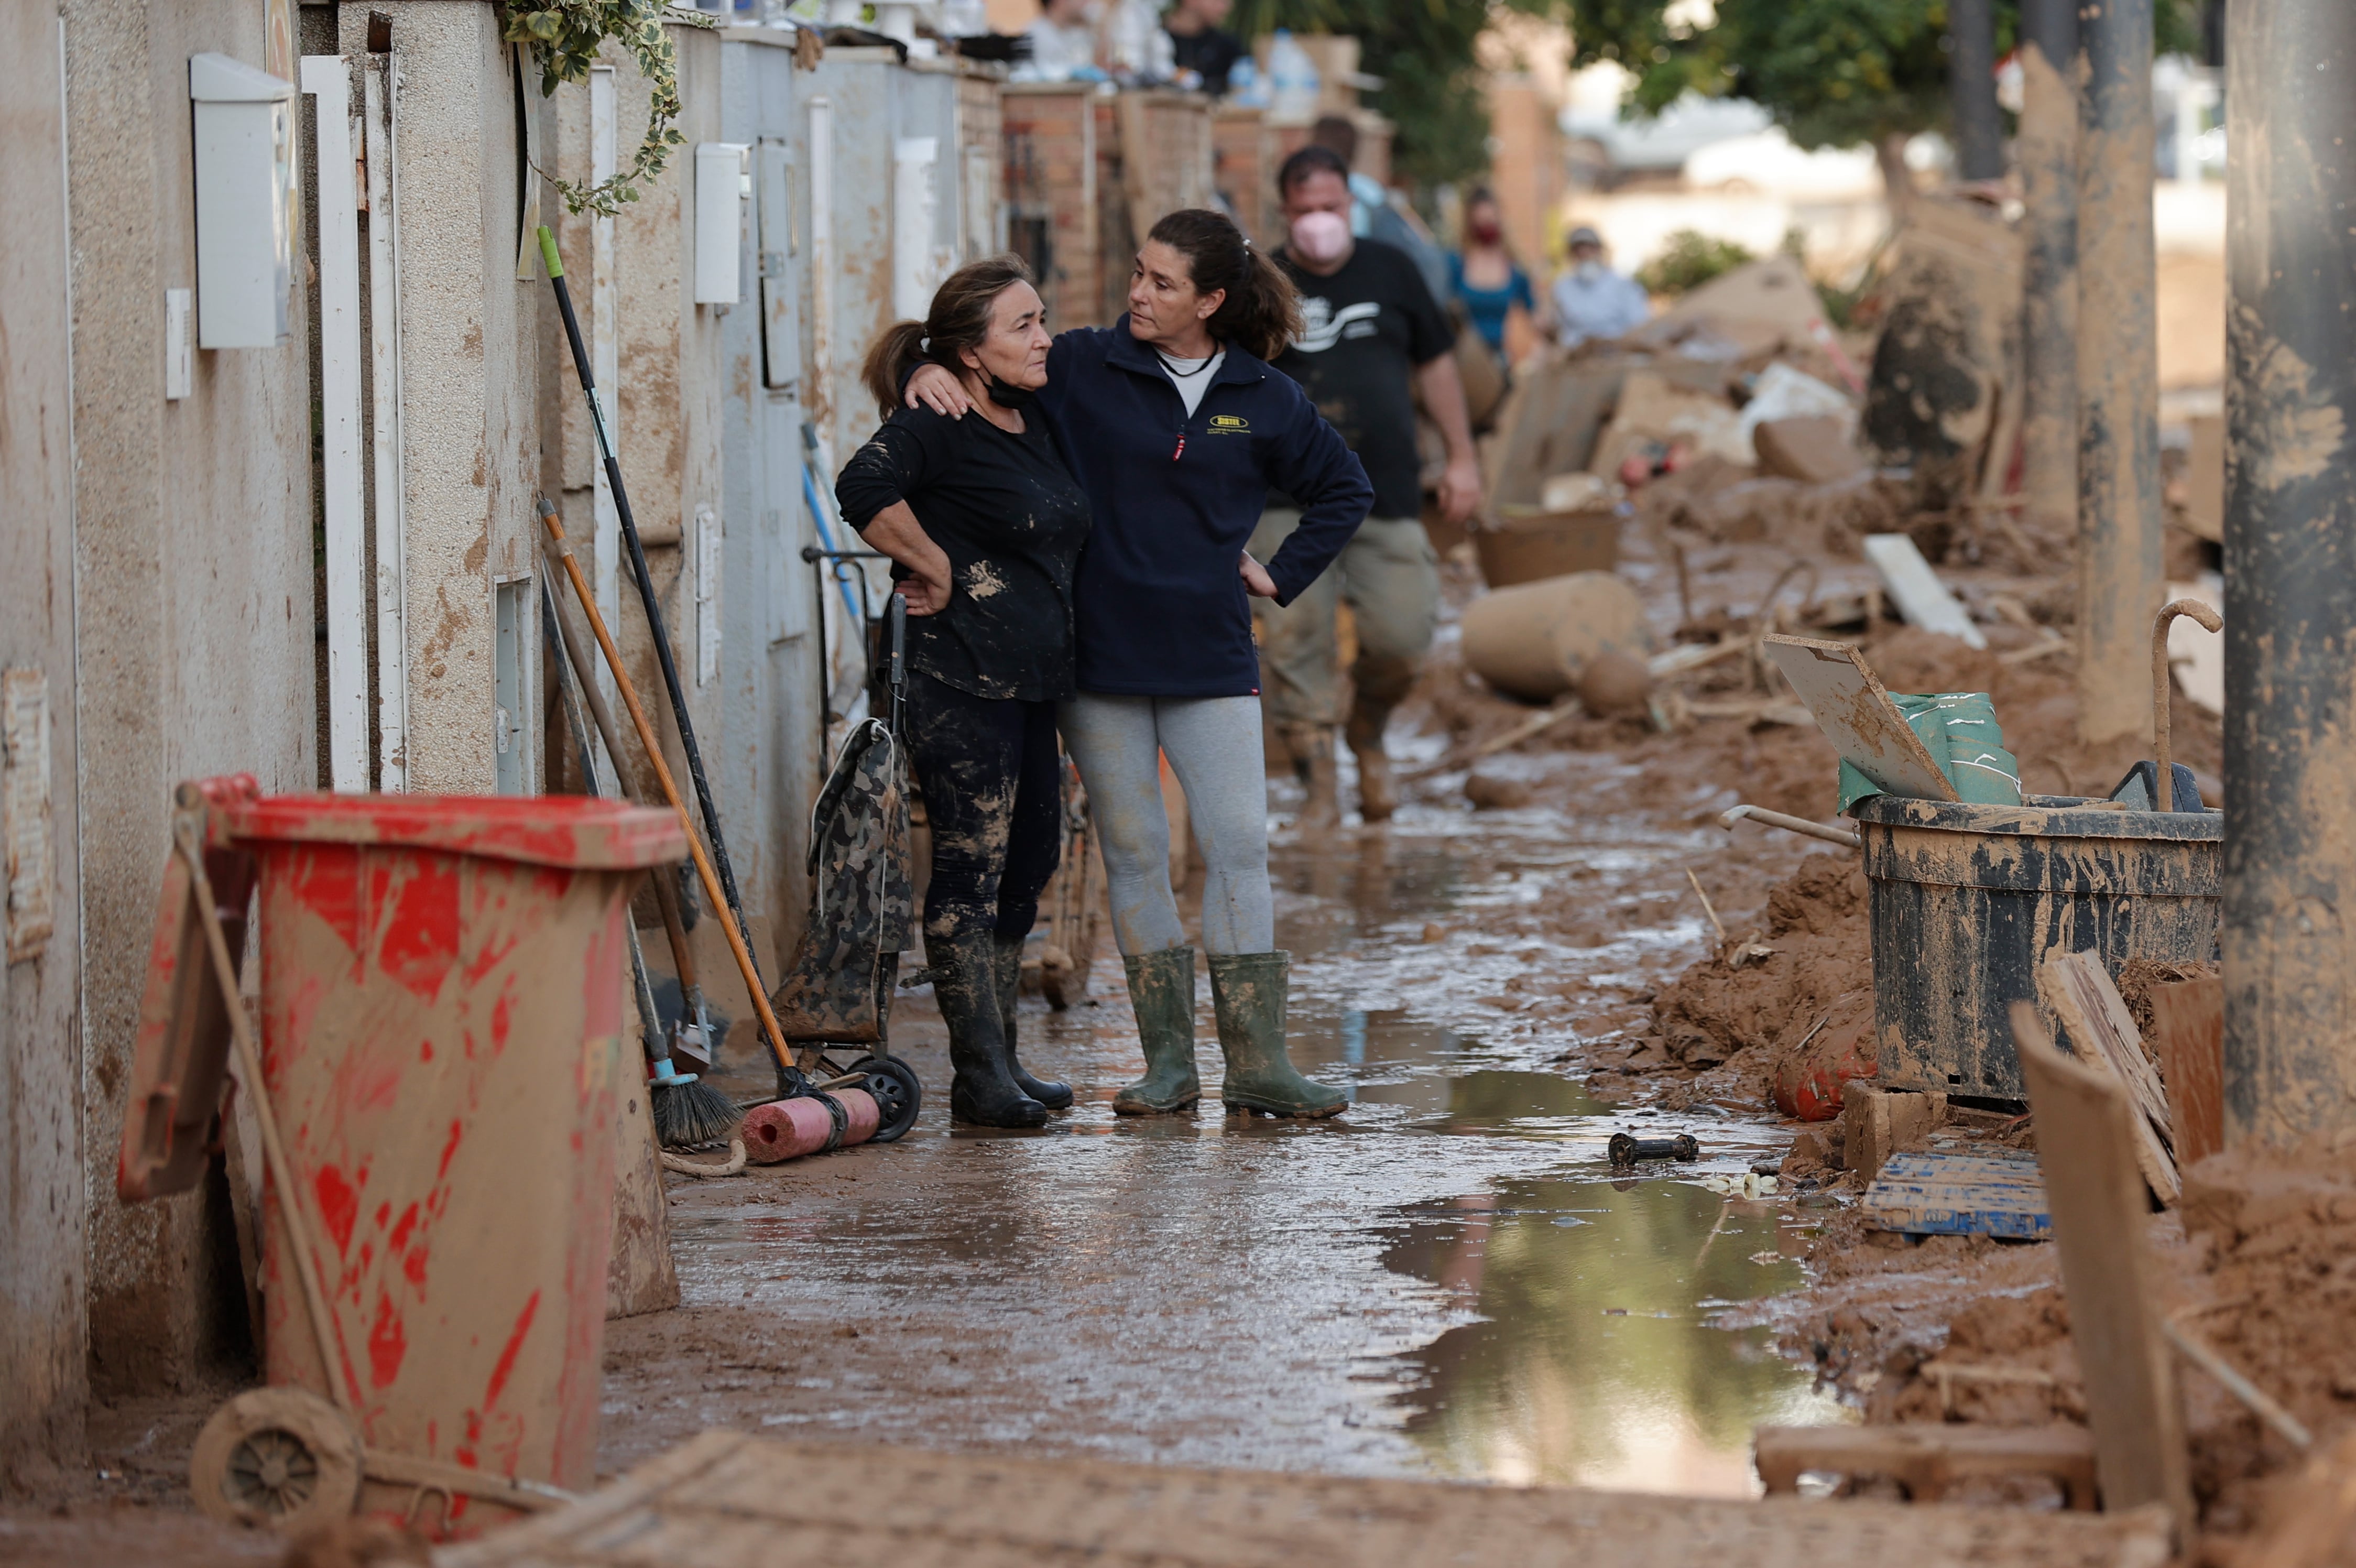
[1483,276]
[1179,431]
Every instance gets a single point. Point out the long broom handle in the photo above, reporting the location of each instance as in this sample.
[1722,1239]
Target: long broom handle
[777,1047]
[645,582]
[585,682]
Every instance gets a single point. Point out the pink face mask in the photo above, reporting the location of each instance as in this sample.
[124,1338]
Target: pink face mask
[1321,237]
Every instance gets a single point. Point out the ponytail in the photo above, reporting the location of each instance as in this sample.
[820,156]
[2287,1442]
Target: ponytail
[1261,313]
[898,351]
[959,320]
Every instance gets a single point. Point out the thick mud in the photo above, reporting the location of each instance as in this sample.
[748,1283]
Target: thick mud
[1452,1280]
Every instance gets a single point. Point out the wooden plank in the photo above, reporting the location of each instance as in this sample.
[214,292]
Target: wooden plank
[731,1501]
[1926,1458]
[1919,595]
[2077,991]
[1854,710]
[1940,1194]
[2188,1019]
[2086,1147]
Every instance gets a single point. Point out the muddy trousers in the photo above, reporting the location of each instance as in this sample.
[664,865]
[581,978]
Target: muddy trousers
[1214,746]
[1389,576]
[993,800]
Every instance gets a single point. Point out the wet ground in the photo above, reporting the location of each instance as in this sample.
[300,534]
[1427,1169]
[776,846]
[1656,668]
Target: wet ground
[1450,1281]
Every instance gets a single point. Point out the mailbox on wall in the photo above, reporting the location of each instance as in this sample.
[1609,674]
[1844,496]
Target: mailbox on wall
[245,199]
[723,179]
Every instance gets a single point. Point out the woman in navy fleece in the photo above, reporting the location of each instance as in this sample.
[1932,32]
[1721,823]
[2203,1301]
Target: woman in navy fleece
[1179,432]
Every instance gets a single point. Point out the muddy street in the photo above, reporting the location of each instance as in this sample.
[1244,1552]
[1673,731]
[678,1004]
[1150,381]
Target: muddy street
[1451,1281]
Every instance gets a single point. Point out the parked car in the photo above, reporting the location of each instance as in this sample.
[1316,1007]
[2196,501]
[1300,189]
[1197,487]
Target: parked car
[1605,149]
[1767,162]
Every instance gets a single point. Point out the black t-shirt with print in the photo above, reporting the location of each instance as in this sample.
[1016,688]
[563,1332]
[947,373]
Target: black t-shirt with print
[1364,331]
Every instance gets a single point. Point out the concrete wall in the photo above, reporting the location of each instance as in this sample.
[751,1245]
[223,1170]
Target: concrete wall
[469,367]
[43,1381]
[195,623]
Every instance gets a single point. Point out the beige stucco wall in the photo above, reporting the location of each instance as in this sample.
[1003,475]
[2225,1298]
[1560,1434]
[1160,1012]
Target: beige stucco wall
[196,636]
[470,437]
[43,1381]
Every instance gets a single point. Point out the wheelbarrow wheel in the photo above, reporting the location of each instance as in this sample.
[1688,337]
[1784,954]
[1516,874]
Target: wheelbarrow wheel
[283,1458]
[898,1095]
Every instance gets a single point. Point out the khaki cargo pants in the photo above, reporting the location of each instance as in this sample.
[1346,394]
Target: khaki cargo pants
[1389,576]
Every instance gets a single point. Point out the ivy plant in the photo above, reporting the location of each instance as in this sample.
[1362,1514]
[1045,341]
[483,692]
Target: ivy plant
[564,38]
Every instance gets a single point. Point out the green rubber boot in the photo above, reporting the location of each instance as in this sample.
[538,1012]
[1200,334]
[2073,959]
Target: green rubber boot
[1162,990]
[1054,1096]
[1248,990]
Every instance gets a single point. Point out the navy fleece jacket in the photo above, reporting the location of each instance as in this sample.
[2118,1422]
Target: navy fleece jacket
[1162,610]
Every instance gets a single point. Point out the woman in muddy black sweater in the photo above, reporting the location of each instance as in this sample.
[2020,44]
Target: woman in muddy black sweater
[984,522]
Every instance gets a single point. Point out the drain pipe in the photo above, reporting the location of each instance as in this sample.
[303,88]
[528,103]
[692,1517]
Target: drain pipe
[2290,557]
[2118,375]
[2047,149]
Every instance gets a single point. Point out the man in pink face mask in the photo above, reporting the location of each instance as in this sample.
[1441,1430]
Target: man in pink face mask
[1373,339]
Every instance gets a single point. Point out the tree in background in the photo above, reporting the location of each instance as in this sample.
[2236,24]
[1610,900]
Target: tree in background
[1423,51]
[1834,73]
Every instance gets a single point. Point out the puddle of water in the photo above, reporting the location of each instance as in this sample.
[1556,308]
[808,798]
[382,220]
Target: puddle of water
[1595,1363]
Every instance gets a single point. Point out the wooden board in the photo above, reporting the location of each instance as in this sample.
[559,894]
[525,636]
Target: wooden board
[1926,1458]
[729,1500]
[1854,710]
[2086,1147]
[1941,1194]
[1916,590]
[2078,994]
[2188,1018]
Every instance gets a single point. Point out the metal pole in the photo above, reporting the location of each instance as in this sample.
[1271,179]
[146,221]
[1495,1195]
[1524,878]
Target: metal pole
[1971,82]
[2118,376]
[2290,568]
[2047,149]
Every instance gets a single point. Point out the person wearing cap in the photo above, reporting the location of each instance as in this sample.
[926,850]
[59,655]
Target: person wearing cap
[1590,300]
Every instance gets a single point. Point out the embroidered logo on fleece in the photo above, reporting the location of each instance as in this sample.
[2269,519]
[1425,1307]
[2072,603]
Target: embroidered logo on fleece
[1230,424]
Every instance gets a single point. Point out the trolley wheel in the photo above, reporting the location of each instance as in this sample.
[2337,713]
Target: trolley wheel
[898,1095]
[285,1458]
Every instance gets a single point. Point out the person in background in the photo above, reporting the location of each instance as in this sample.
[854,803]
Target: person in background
[1062,42]
[984,521]
[1483,277]
[1200,42]
[1371,216]
[1590,300]
[1373,337]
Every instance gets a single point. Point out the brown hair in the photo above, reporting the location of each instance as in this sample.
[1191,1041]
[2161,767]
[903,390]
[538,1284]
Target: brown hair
[1261,313]
[1312,159]
[959,320]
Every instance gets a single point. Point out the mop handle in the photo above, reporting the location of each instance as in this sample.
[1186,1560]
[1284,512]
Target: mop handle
[646,581]
[777,1047]
[292,1212]
[666,891]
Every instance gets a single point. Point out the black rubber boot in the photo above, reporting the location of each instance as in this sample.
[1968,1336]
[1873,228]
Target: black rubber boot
[1248,990]
[965,984]
[1046,1091]
[1161,990]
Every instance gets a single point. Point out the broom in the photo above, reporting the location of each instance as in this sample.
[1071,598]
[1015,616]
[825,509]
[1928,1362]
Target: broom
[687,1113]
[720,881]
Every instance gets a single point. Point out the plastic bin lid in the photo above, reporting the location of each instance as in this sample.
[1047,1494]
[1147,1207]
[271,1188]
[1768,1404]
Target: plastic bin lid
[574,831]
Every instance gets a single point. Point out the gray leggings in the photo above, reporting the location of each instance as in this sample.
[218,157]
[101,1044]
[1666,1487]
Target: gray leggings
[1214,746]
